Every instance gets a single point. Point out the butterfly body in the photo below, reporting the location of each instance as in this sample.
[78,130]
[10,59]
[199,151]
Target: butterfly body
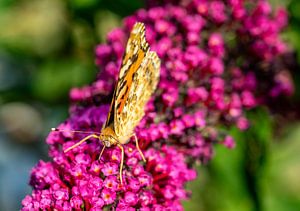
[138,78]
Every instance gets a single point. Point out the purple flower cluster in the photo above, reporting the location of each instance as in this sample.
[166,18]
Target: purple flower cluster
[217,62]
[78,180]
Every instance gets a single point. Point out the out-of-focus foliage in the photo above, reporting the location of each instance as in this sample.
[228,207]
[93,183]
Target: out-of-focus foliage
[47,47]
[294,28]
[49,44]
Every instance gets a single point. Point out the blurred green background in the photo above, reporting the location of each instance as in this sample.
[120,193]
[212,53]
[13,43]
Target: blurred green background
[47,47]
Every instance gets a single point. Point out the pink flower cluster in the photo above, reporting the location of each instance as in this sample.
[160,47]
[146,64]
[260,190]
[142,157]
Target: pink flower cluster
[217,62]
[78,180]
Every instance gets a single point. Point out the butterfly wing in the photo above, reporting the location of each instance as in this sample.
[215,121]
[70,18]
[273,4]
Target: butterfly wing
[144,83]
[136,50]
[137,81]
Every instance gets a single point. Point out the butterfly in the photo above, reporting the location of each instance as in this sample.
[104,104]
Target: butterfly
[138,78]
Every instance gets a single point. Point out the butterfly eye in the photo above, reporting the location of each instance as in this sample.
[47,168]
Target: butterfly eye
[107,143]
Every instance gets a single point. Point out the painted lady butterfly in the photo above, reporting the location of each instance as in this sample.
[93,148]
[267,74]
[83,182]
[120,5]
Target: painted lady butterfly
[138,78]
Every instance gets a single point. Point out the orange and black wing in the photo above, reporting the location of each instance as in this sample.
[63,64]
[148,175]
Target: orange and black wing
[135,52]
[138,78]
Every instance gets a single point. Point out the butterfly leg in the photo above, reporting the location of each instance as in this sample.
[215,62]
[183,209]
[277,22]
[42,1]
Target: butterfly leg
[101,152]
[80,142]
[122,161]
[138,147]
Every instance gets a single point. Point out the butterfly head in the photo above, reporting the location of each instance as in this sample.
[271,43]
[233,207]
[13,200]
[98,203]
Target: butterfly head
[108,137]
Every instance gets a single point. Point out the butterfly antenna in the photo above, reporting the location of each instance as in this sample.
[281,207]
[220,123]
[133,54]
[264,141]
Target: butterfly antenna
[74,131]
